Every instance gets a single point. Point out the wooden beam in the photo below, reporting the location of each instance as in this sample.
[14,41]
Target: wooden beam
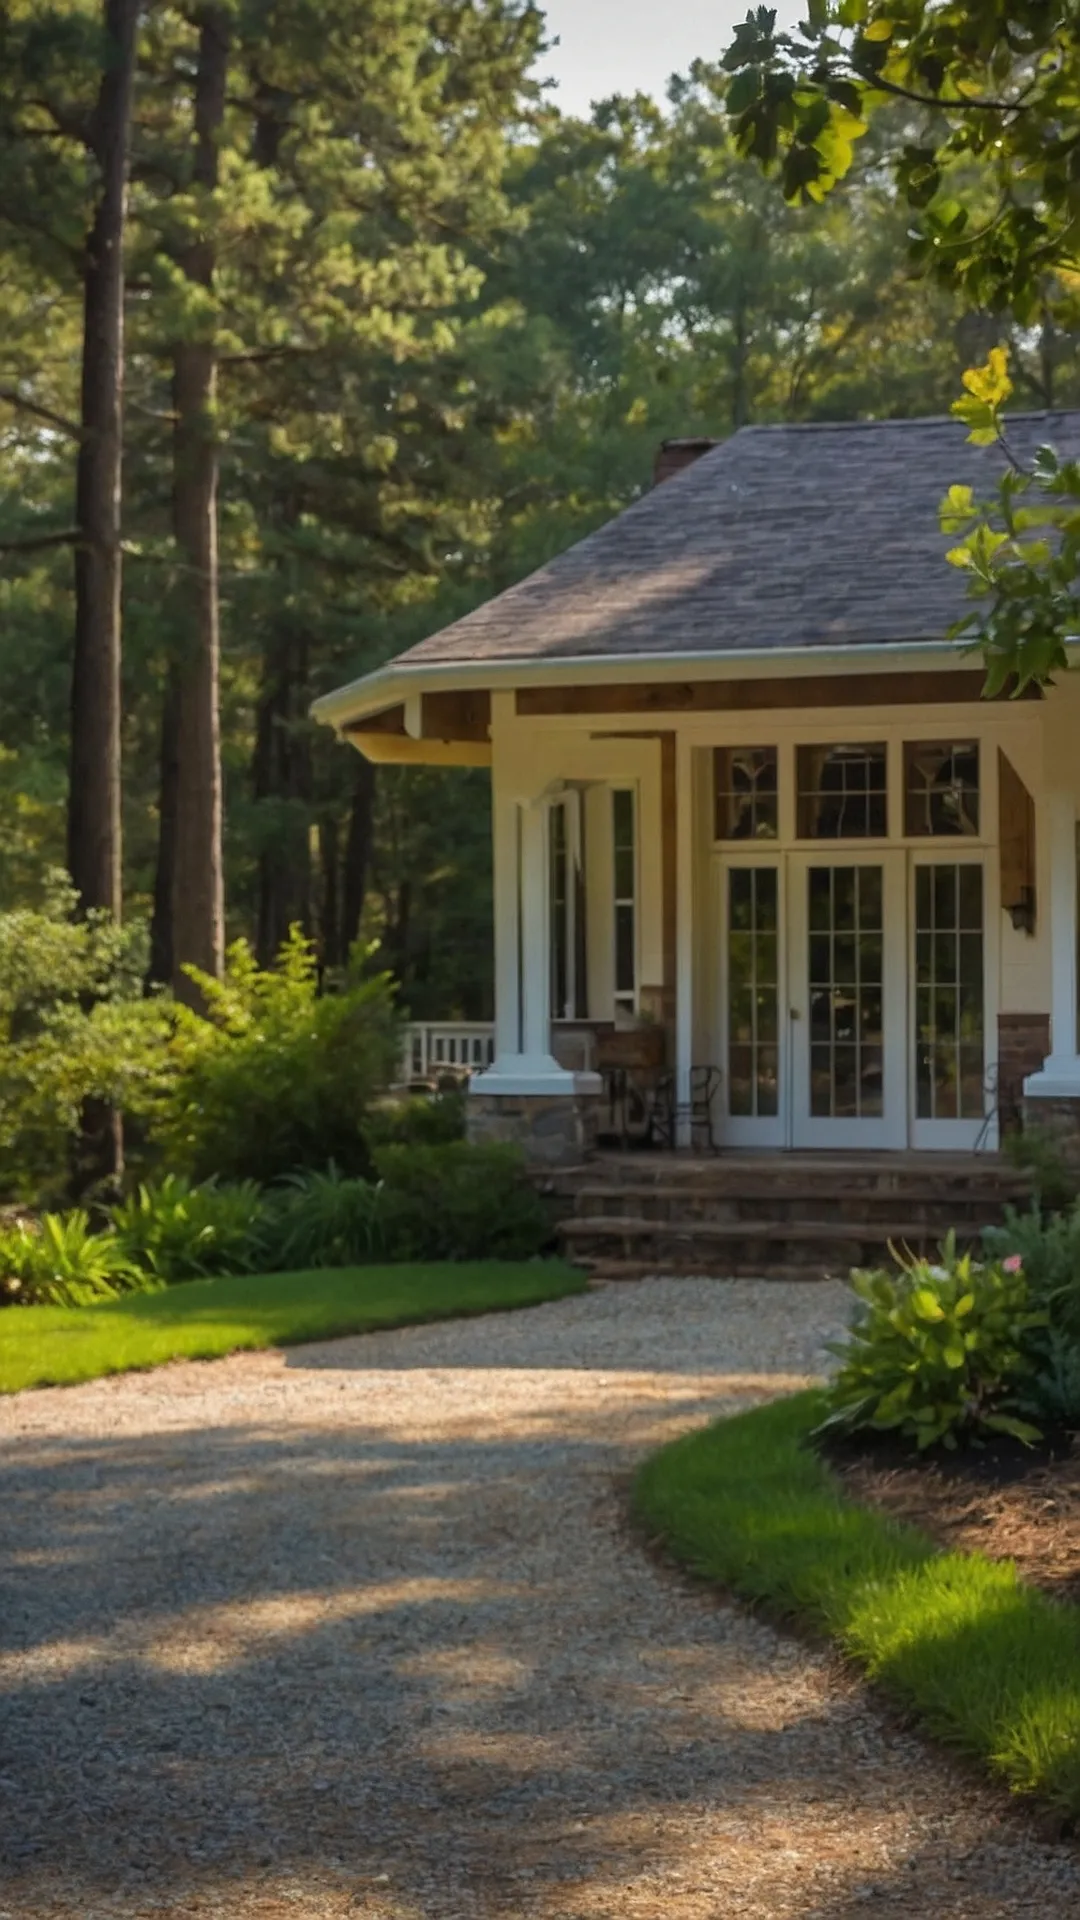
[397,750]
[918,689]
[390,720]
[464,714]
[1016,845]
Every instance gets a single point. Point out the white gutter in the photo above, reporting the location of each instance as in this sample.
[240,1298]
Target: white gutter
[396,681]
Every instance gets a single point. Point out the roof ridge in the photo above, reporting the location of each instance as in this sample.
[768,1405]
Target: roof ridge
[891,420]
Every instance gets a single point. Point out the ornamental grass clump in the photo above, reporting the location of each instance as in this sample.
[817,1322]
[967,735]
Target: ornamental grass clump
[60,1261]
[179,1231]
[936,1351]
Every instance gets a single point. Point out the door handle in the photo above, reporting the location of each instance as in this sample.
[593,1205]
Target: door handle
[794,1014]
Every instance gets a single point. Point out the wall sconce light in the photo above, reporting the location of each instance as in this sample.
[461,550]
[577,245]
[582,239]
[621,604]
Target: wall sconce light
[1022,911]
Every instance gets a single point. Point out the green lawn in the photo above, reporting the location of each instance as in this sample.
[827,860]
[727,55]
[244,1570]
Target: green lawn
[988,1665]
[54,1346]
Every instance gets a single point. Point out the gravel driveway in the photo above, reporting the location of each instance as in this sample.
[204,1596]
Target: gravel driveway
[360,1630]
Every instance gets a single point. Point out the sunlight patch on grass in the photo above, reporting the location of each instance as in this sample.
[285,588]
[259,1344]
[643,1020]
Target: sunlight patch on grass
[987,1664]
[203,1319]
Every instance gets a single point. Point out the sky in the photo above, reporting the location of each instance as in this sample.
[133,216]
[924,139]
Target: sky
[630,46]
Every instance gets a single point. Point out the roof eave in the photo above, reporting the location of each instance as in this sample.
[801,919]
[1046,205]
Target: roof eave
[398,679]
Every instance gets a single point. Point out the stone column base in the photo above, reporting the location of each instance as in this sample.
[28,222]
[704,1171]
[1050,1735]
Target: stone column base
[552,1130]
[1023,1044]
[1058,1116]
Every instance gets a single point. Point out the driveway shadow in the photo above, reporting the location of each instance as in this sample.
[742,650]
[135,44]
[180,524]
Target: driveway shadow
[372,1637]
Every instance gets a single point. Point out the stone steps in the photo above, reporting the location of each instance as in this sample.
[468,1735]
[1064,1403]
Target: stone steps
[779,1215]
[929,1212]
[746,1246]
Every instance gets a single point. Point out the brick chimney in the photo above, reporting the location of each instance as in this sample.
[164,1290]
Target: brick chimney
[673,455]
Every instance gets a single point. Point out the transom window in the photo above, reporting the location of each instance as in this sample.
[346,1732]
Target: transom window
[841,793]
[941,787]
[745,784]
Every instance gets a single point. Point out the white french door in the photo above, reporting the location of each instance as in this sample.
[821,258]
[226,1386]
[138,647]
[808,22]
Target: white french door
[847,999]
[813,1017]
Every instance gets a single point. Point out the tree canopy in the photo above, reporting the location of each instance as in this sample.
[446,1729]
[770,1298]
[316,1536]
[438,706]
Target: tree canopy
[397,331]
[981,109]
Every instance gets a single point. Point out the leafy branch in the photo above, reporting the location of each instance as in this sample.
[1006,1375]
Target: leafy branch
[1020,550]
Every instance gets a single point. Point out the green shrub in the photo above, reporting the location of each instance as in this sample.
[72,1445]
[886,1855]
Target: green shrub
[59,1261]
[1051,1393]
[935,1351]
[460,1202]
[181,1232]
[277,1076]
[1037,1152]
[417,1120]
[74,1026]
[327,1220]
[1049,1248]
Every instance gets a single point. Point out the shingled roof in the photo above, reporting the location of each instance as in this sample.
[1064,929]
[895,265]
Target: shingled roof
[814,536]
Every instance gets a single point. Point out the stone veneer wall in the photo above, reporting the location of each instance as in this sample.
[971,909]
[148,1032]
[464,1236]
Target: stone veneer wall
[1061,1119]
[1023,1044]
[554,1130]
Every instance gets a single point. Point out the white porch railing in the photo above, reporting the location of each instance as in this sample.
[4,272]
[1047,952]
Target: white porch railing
[432,1047]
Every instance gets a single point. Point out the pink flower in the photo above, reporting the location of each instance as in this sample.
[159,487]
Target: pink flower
[1013,1264]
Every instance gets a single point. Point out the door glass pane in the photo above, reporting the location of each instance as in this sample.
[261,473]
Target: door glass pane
[845,969]
[949,1042]
[752,992]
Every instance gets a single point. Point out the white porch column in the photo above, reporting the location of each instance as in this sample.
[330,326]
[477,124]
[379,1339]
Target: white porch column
[506,838]
[523,1062]
[684,934]
[1060,1074]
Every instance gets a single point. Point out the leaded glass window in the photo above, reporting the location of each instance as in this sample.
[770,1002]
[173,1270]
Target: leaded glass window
[746,793]
[941,787]
[842,793]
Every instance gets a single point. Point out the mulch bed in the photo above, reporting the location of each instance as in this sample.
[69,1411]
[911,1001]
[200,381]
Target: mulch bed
[1004,1500]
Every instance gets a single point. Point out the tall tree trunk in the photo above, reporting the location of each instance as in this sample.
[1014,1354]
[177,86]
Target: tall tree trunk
[282,779]
[93,828]
[160,970]
[330,943]
[198,910]
[357,854]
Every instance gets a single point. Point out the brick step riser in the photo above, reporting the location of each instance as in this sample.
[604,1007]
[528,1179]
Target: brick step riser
[927,1215]
[949,1192]
[673,1252]
[602,1271]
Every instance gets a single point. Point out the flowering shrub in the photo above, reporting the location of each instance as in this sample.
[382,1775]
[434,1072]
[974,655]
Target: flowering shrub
[936,1351]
